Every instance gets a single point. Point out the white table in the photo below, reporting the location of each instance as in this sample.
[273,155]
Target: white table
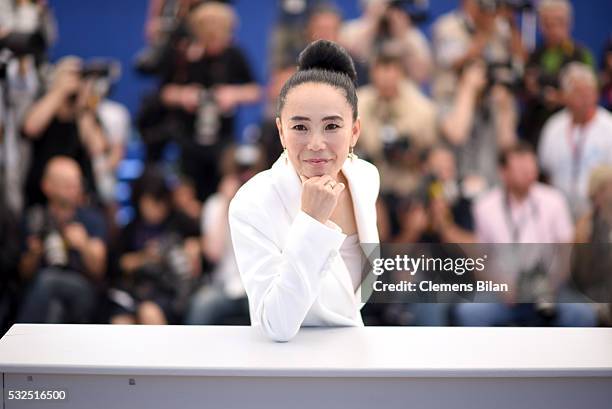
[107,367]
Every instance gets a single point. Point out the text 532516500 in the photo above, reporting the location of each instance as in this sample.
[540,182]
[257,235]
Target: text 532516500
[36,395]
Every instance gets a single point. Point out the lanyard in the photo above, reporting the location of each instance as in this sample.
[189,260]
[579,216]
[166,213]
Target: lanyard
[515,228]
[576,147]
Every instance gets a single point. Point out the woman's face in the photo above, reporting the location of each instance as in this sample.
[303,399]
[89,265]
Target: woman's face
[317,129]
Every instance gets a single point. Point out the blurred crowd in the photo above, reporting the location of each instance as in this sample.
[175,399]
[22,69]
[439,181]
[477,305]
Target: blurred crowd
[480,134]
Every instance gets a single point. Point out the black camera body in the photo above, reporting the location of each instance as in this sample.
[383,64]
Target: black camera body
[504,74]
[492,6]
[430,188]
[396,149]
[98,70]
[417,10]
[22,44]
[104,72]
[42,226]
[519,5]
[171,276]
[534,286]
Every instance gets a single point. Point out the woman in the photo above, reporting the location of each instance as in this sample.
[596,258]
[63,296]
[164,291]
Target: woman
[297,227]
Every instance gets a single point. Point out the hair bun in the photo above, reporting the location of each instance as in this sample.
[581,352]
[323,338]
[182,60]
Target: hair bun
[327,55]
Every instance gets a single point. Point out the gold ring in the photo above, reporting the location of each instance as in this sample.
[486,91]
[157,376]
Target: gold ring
[331,183]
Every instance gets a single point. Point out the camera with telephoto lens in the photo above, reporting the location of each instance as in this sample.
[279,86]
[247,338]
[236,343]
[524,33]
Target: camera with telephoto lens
[150,59]
[417,10]
[518,5]
[430,188]
[504,74]
[492,6]
[24,43]
[534,286]
[207,123]
[177,273]
[395,145]
[174,267]
[172,275]
[247,158]
[153,58]
[101,68]
[42,226]
[29,28]
[103,72]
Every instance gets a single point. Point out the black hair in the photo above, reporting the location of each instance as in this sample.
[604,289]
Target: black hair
[324,62]
[518,148]
[151,183]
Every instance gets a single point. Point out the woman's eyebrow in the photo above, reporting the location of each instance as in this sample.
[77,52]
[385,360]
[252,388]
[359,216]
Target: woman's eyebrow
[333,118]
[327,118]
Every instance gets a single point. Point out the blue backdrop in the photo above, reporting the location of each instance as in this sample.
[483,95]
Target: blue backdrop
[114,28]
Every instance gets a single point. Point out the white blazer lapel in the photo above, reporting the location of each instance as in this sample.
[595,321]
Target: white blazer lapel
[361,186]
[364,192]
[289,186]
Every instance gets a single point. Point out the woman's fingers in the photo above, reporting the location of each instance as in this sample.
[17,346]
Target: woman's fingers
[338,188]
[320,196]
[323,180]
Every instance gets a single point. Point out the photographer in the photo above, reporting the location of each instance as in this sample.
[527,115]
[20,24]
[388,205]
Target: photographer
[479,122]
[27,29]
[65,252]
[158,256]
[388,27]
[521,211]
[398,124]
[592,262]
[295,30]
[224,296]
[543,96]
[204,103]
[166,36]
[63,122]
[485,30]
[18,89]
[577,139]
[439,211]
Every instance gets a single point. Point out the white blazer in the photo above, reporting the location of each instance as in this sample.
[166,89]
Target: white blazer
[289,262]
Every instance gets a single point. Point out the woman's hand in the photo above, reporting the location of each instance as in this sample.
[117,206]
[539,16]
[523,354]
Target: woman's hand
[320,196]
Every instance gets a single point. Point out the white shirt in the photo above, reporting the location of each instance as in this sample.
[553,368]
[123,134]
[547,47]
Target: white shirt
[115,119]
[569,154]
